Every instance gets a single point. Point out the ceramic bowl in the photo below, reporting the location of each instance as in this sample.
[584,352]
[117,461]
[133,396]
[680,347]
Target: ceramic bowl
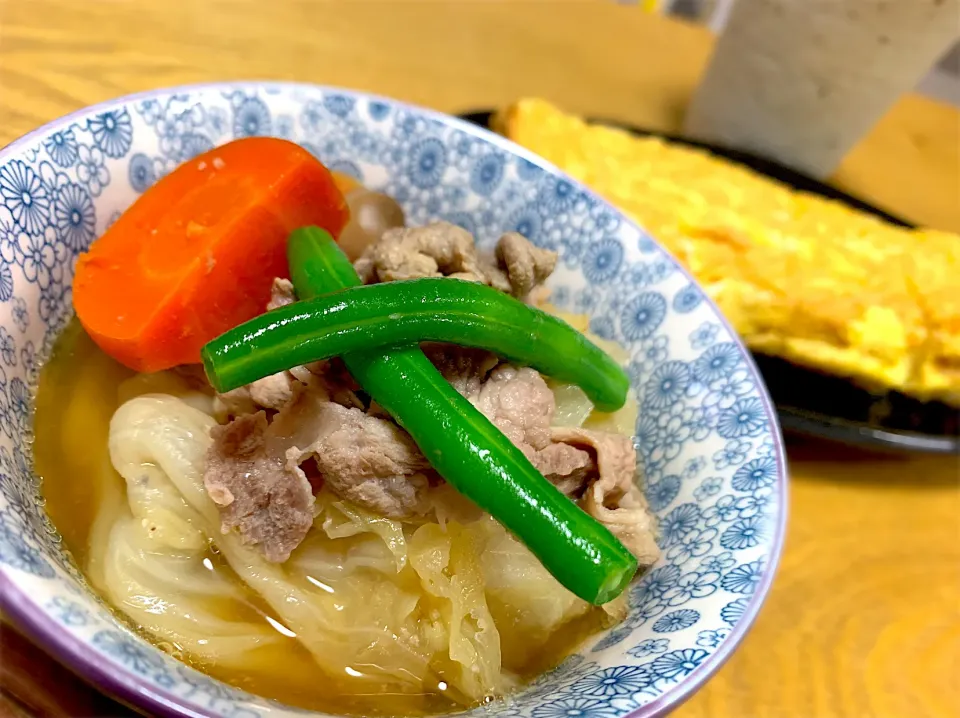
[708,439]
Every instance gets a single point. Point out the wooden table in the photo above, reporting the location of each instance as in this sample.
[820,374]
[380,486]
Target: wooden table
[864,617]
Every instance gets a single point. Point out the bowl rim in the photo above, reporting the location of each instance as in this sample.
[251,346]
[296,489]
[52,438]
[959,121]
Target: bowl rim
[137,692]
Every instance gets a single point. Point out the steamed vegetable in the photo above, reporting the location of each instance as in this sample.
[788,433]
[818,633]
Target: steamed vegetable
[197,252]
[407,313]
[466,448]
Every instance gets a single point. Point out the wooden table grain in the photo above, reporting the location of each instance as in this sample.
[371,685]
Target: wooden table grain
[864,617]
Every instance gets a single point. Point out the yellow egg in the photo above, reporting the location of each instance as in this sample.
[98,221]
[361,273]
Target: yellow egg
[800,276]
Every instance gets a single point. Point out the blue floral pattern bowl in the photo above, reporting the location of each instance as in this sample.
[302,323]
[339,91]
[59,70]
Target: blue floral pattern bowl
[708,440]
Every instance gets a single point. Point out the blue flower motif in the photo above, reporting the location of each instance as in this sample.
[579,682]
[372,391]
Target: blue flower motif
[378,111]
[25,196]
[653,353]
[661,494]
[676,664]
[575,707]
[712,639]
[692,585]
[556,195]
[75,216]
[708,487]
[218,122]
[251,118]
[653,585]
[756,474]
[602,260]
[642,315]
[676,621]
[585,300]
[69,612]
[745,418]
[8,348]
[6,281]
[704,335]
[717,361]
[746,533]
[351,169]
[646,245]
[694,466]
[678,523]
[527,222]
[665,386]
[134,655]
[724,511]
[427,162]
[691,545]
[150,111]
[17,553]
[614,636]
[725,390]
[28,355]
[754,505]
[193,144]
[92,170]
[743,579]
[733,454]
[649,647]
[699,422]
[603,328]
[767,447]
[37,256]
[672,434]
[527,170]
[733,611]
[140,172]
[62,147]
[718,562]
[613,682]
[560,297]
[112,132]
[487,173]
[687,299]
[339,105]
[21,317]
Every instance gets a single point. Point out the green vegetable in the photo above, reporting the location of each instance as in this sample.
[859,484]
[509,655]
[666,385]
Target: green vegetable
[407,313]
[466,448]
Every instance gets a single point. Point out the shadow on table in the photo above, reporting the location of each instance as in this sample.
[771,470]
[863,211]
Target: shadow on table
[816,461]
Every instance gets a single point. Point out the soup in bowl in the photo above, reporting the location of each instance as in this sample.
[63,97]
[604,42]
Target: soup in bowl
[315,401]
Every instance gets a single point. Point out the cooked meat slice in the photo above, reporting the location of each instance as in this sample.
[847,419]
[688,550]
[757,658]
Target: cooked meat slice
[466,369]
[614,498]
[442,249]
[274,391]
[526,265]
[231,404]
[362,458]
[519,402]
[269,505]
[565,466]
[281,294]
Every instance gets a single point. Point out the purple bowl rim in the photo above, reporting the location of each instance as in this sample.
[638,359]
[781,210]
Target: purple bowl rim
[130,688]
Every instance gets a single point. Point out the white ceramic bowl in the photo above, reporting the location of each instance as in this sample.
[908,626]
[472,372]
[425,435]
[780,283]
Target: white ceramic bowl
[710,446]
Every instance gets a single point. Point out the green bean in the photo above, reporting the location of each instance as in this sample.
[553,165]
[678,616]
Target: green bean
[466,449]
[410,312]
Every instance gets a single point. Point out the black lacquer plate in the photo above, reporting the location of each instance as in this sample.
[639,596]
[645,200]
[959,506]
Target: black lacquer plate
[816,404]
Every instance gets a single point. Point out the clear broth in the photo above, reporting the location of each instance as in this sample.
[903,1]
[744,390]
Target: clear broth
[77,396]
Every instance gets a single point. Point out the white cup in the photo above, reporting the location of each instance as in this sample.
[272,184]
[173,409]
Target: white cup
[801,81]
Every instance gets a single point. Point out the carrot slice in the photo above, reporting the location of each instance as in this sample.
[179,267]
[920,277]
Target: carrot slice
[196,254]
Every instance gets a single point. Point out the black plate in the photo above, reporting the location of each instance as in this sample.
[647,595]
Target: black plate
[816,404]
